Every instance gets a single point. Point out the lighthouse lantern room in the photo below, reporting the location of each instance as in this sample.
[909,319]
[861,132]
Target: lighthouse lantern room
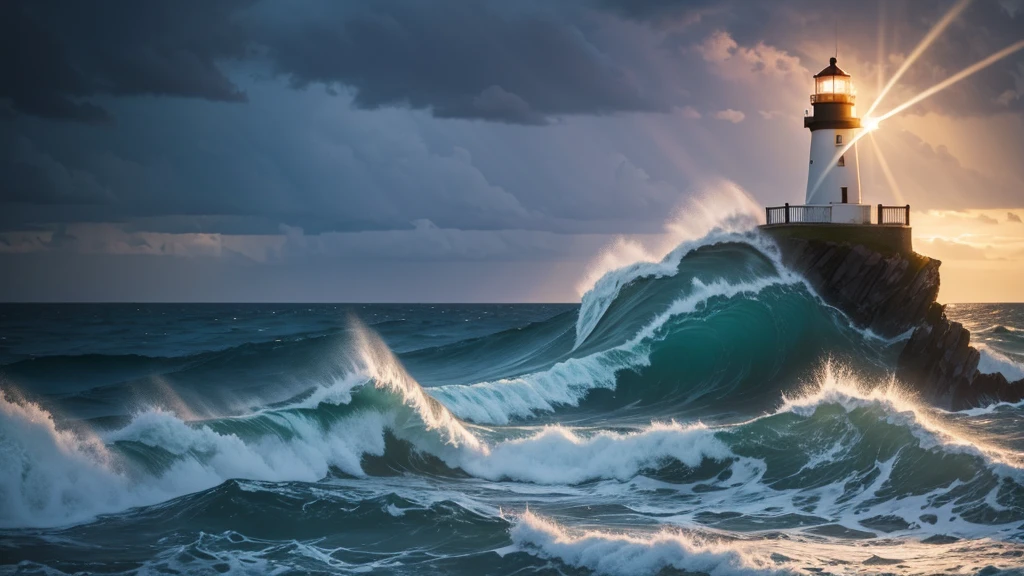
[833,174]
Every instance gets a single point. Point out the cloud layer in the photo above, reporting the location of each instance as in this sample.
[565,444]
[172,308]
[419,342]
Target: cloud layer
[267,133]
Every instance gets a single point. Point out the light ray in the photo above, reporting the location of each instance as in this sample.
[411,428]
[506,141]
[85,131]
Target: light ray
[977,67]
[923,45]
[881,46]
[887,172]
[872,123]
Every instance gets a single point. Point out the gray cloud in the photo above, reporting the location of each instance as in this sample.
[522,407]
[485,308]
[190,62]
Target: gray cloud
[526,62]
[35,178]
[483,60]
[58,53]
[487,60]
[730,115]
[1011,217]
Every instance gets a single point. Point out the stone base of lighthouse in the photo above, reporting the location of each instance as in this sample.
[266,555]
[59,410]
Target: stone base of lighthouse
[883,239]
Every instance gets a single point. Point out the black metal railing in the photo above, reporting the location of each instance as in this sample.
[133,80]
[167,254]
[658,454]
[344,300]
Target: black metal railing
[894,215]
[786,214]
[887,215]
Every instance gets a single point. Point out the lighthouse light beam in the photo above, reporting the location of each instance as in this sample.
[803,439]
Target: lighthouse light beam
[886,171]
[972,69]
[939,27]
[873,123]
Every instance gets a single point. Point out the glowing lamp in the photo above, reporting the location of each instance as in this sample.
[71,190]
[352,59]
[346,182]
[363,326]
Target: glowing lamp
[833,85]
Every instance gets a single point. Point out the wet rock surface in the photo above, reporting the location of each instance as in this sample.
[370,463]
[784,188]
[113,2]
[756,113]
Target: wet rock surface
[886,293]
[891,294]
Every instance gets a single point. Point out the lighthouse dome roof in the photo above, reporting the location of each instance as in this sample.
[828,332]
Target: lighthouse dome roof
[832,70]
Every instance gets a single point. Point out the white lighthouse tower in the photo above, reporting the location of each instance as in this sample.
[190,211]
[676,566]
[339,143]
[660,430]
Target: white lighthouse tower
[833,209]
[833,175]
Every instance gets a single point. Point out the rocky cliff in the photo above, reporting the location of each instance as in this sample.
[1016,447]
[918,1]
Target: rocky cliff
[892,293]
[940,361]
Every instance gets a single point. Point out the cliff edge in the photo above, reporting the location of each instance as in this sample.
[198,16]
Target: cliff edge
[892,292]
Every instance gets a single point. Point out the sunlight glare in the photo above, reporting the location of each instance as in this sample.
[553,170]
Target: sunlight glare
[939,27]
[977,67]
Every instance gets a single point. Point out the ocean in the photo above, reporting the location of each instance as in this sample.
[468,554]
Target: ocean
[705,414]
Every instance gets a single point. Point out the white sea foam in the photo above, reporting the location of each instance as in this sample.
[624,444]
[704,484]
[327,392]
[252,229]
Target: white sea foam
[837,385]
[611,553]
[991,408]
[54,476]
[729,214]
[992,361]
[306,455]
[637,551]
[387,372]
[338,392]
[49,473]
[557,455]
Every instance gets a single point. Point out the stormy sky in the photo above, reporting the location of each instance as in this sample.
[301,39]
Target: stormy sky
[458,150]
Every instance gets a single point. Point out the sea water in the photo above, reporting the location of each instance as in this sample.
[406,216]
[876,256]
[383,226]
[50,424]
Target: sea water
[707,413]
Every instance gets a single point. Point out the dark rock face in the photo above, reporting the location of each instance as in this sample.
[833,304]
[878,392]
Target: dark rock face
[892,294]
[940,354]
[888,294]
[940,357]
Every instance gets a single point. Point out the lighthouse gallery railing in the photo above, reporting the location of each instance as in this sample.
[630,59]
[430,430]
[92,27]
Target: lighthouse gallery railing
[790,214]
[786,214]
[899,215]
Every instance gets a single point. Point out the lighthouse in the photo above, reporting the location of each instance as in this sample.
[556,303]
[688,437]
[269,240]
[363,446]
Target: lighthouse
[833,206]
[833,174]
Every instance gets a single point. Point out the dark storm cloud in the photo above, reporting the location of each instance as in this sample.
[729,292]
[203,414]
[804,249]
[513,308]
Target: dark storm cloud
[308,159]
[483,60]
[34,178]
[661,10]
[985,27]
[59,53]
[459,59]
[523,62]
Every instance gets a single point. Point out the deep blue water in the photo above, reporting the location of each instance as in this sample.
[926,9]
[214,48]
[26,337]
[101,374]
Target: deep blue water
[717,419]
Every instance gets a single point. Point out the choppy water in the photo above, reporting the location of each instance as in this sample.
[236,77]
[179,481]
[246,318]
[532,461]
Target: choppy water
[704,414]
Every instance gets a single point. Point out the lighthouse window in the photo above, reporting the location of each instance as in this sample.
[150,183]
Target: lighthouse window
[846,195]
[842,160]
[839,139]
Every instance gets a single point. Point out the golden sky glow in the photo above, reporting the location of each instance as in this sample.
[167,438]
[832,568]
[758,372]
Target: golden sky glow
[982,253]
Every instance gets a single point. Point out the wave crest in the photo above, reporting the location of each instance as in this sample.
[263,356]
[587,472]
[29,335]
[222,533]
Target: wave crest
[609,553]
